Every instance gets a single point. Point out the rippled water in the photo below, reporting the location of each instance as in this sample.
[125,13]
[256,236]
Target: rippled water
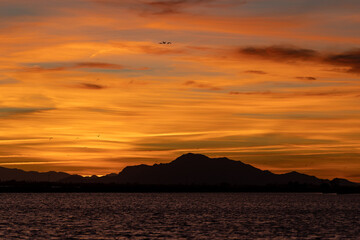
[178,215]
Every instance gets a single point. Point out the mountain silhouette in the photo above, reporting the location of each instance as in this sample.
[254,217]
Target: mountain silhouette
[8,174]
[187,170]
[343,183]
[197,169]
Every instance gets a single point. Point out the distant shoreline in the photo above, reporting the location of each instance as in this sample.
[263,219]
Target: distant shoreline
[34,187]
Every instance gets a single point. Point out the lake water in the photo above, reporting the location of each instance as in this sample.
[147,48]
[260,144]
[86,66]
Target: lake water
[179,216]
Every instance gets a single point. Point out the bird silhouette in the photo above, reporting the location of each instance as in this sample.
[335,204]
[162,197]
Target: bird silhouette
[163,42]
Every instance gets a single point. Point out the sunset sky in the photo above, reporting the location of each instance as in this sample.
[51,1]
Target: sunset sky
[85,87]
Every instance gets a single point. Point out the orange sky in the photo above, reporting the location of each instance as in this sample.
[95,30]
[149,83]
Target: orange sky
[86,88]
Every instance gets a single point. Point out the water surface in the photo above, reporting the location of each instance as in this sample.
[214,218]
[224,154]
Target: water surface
[178,215]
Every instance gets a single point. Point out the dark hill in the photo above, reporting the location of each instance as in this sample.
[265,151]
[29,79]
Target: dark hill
[187,170]
[8,174]
[197,169]
[340,182]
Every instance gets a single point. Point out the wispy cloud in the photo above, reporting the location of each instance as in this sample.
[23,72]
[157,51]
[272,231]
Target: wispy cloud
[349,59]
[306,78]
[206,86]
[239,68]
[251,93]
[9,111]
[256,72]
[288,94]
[80,65]
[91,86]
[6,80]
[168,7]
[280,53]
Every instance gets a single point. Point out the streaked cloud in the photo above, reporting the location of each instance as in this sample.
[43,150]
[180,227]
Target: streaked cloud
[349,59]
[86,88]
[5,80]
[81,65]
[9,111]
[166,7]
[255,72]
[91,86]
[280,53]
[307,78]
[201,85]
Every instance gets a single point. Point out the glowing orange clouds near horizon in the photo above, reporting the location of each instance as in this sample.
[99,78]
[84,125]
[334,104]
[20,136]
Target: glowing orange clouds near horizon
[87,89]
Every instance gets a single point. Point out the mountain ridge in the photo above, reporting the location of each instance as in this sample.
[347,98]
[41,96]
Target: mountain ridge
[188,169]
[198,169]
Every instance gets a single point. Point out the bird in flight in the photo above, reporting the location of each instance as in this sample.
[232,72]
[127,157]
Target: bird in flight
[163,42]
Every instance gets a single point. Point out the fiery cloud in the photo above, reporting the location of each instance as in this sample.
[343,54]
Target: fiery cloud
[201,85]
[255,72]
[91,86]
[272,83]
[306,78]
[81,65]
[348,59]
[280,53]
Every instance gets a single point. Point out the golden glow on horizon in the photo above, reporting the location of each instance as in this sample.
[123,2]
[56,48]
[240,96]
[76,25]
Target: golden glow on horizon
[87,89]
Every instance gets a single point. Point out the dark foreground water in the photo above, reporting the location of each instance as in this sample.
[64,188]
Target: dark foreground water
[178,216]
